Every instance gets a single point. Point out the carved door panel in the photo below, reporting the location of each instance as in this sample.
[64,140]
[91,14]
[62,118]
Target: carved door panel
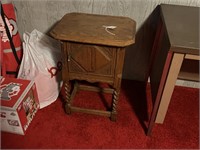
[91,59]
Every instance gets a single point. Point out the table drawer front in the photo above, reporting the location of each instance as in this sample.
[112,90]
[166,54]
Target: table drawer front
[91,59]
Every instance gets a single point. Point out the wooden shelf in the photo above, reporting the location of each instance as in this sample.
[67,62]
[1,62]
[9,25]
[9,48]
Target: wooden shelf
[189,70]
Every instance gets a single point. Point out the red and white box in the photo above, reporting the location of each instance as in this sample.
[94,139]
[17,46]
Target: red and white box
[19,104]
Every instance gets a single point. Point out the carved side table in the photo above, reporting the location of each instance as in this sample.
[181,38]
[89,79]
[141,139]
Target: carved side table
[93,50]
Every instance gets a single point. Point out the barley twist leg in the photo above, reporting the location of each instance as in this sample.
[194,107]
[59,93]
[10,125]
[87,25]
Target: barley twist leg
[114,105]
[68,98]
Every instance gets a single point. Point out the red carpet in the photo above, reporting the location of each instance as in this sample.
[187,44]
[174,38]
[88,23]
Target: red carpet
[53,129]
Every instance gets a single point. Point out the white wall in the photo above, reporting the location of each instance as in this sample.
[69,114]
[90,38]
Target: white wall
[43,14]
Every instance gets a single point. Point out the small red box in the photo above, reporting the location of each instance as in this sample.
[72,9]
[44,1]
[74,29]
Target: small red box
[19,104]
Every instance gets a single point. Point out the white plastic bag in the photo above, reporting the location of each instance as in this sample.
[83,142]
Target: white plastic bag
[42,62]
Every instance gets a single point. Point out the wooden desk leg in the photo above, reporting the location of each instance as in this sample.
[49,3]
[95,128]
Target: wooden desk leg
[169,86]
[68,97]
[117,82]
[114,105]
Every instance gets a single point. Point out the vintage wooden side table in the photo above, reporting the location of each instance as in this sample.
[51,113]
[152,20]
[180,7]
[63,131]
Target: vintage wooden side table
[93,49]
[177,39]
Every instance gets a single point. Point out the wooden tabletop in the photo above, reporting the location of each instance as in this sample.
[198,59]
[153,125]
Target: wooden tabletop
[182,25]
[90,28]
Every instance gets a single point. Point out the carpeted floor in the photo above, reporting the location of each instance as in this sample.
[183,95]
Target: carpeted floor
[53,129]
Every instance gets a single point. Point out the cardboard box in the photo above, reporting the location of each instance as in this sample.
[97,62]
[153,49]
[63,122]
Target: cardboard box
[19,104]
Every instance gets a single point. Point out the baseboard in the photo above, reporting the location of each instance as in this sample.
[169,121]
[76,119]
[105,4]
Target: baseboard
[185,83]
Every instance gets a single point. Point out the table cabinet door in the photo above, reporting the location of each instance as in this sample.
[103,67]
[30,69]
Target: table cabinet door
[91,59]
